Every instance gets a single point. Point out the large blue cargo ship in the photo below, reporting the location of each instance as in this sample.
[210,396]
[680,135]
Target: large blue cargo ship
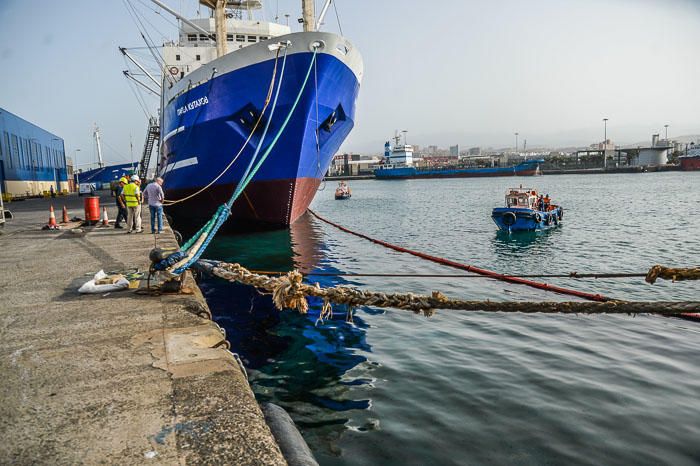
[527,168]
[215,104]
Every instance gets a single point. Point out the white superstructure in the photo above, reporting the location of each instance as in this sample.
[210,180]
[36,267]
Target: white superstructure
[399,155]
[194,48]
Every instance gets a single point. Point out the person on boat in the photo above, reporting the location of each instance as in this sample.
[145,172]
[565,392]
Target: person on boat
[546,202]
[540,203]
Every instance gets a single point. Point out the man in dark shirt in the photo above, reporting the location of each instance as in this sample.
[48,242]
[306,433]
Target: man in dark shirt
[122,213]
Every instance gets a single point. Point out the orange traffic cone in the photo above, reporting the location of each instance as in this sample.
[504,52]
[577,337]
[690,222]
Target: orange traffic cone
[52,219]
[65,215]
[105,220]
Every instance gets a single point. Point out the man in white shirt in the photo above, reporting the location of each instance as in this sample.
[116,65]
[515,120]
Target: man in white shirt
[153,194]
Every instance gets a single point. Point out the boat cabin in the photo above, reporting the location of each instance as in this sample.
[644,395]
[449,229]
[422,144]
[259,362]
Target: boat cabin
[521,198]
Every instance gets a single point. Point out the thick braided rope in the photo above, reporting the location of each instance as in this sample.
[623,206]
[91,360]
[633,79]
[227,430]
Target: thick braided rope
[668,273]
[289,292]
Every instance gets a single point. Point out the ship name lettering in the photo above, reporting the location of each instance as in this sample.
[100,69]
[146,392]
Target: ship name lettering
[192,105]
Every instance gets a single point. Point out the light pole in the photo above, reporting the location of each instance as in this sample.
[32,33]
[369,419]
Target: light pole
[666,128]
[516,142]
[605,142]
[75,166]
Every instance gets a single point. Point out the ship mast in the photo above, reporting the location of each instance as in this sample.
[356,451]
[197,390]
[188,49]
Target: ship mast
[220,22]
[308,15]
[96,133]
[219,8]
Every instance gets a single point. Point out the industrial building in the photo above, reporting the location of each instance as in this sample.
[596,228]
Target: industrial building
[32,160]
[656,154]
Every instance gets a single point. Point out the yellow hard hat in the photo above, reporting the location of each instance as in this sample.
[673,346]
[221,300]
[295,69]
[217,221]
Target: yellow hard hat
[123,180]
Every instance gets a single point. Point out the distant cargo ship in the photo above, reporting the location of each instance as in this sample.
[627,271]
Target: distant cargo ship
[398,164]
[690,161]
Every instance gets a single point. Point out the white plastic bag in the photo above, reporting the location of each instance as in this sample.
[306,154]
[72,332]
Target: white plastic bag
[91,287]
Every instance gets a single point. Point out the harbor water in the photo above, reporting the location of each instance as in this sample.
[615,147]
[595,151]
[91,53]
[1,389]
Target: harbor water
[476,388]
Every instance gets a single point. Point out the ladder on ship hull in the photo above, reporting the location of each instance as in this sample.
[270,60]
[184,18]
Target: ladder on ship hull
[152,137]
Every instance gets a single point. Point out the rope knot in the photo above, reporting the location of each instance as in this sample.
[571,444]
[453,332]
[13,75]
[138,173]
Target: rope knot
[439,297]
[653,274]
[288,293]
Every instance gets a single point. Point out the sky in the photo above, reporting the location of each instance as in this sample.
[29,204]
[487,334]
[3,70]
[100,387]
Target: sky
[468,72]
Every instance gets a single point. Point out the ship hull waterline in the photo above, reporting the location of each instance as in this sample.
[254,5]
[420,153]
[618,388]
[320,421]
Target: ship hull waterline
[472,174]
[258,208]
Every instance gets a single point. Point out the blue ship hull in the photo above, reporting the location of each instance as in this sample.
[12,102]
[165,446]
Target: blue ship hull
[523,169]
[519,219]
[205,127]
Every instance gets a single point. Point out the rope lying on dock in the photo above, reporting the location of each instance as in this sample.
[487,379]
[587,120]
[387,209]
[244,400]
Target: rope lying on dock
[289,292]
[471,268]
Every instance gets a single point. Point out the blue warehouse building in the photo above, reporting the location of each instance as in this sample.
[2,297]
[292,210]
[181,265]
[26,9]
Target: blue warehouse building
[32,160]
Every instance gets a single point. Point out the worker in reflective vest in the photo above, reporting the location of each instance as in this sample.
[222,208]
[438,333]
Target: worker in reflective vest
[131,195]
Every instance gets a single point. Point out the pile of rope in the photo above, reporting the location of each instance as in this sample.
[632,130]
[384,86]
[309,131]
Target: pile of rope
[290,292]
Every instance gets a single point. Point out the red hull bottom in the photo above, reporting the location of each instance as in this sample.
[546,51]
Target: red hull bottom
[262,205]
[690,163]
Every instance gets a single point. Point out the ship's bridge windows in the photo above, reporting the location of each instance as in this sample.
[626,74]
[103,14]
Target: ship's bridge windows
[192,37]
[229,37]
[263,38]
[252,39]
[198,57]
[177,57]
[202,37]
[240,38]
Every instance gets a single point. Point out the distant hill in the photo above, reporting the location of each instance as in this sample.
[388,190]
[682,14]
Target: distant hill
[682,139]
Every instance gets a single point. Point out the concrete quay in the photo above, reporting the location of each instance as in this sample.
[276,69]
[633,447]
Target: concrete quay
[116,378]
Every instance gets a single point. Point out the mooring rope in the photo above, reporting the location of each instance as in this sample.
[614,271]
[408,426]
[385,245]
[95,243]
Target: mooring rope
[458,275]
[289,292]
[676,275]
[470,268]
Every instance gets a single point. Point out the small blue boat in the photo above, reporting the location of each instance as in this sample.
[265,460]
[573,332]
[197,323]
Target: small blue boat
[525,210]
